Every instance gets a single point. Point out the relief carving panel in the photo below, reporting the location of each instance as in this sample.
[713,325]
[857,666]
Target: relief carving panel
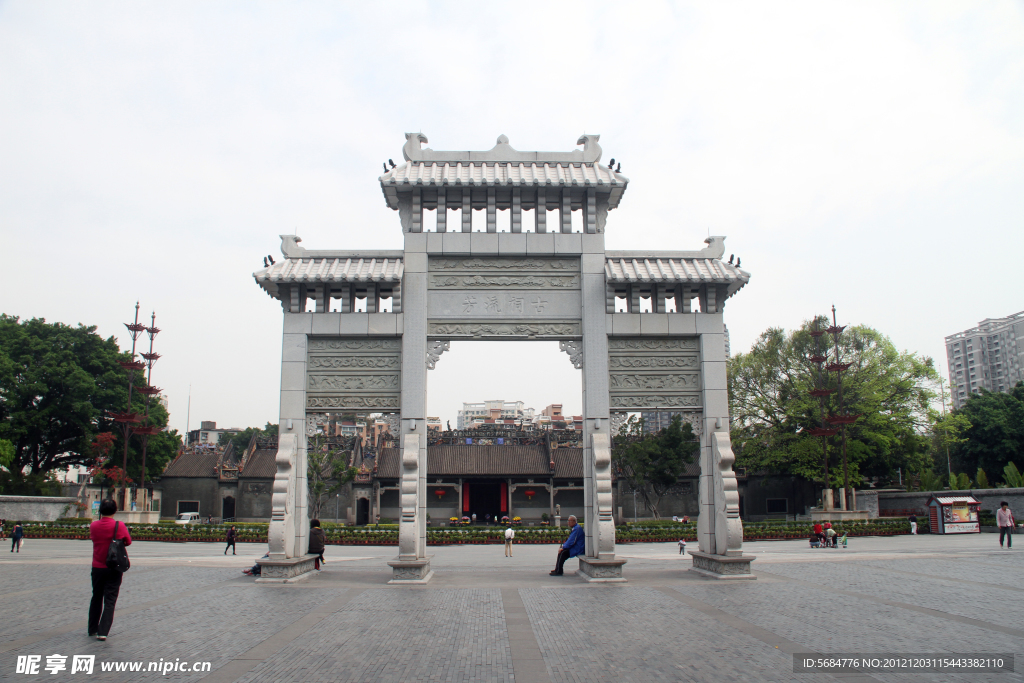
[648,373]
[353,373]
[504,329]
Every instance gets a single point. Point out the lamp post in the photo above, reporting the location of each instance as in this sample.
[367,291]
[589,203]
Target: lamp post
[128,417]
[337,502]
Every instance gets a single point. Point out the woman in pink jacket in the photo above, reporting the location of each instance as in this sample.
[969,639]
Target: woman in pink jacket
[106,582]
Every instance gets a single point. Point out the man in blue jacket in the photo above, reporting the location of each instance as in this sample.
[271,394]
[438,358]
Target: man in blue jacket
[574,546]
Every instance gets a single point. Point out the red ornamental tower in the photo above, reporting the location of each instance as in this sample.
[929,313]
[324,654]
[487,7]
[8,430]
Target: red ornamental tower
[821,392]
[842,417]
[129,418]
[147,430]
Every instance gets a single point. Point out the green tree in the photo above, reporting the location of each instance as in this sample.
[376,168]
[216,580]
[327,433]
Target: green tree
[327,470]
[929,481]
[996,431]
[653,463]
[981,479]
[772,409]
[1012,476]
[6,453]
[241,439]
[58,384]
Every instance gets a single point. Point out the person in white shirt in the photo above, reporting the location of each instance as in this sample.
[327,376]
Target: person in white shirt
[509,535]
[1004,520]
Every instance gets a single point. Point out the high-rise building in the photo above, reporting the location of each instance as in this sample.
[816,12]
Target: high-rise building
[989,356]
[492,410]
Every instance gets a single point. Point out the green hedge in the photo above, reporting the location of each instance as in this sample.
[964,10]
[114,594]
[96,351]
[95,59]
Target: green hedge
[387,534]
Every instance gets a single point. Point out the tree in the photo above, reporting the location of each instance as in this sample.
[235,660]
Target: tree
[653,463]
[929,481]
[241,439]
[981,479]
[327,470]
[996,430]
[1012,476]
[58,385]
[6,453]
[772,409]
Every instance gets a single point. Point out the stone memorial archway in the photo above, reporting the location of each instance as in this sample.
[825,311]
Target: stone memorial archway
[549,284]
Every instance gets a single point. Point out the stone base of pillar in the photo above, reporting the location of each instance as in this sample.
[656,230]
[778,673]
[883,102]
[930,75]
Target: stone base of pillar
[410,572]
[736,567]
[601,571]
[288,570]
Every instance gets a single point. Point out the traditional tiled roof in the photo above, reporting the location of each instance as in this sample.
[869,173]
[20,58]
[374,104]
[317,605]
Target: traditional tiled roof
[568,462]
[483,173]
[676,270]
[310,271]
[260,465]
[193,464]
[489,461]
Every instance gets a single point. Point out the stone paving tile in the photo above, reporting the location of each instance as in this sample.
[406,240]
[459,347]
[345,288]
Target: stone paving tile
[825,622]
[45,610]
[398,636]
[1010,574]
[969,601]
[633,634]
[215,626]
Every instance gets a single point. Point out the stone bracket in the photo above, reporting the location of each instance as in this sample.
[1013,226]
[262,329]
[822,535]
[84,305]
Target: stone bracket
[407,529]
[575,351]
[604,534]
[728,526]
[434,351]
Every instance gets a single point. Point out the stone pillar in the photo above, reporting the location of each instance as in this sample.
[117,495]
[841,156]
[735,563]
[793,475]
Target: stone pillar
[565,211]
[590,212]
[541,212]
[467,211]
[517,209]
[600,563]
[412,564]
[492,210]
[417,210]
[442,210]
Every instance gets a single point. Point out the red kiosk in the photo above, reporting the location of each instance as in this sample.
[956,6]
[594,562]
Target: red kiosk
[954,515]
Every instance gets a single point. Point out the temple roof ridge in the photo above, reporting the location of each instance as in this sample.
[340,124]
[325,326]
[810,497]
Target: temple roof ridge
[502,152]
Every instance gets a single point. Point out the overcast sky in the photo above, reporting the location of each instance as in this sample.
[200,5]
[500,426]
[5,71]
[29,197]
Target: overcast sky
[863,154]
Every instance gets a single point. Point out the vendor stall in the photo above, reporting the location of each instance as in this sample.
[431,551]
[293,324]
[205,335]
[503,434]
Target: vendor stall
[954,515]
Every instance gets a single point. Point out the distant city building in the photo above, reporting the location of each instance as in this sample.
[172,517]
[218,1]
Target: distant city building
[989,356]
[208,434]
[493,410]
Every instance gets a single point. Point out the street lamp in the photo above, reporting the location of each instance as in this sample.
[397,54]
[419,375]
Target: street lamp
[337,502]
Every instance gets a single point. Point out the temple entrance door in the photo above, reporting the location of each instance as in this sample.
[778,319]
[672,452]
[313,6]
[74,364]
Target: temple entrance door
[363,511]
[228,508]
[485,499]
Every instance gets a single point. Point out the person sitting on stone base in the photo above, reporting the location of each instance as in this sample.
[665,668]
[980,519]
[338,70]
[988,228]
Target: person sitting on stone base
[574,546]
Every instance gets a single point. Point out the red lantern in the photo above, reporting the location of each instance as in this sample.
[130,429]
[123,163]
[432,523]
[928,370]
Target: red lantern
[529,493]
[440,493]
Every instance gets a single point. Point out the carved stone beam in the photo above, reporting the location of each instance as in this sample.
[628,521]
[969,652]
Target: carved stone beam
[575,351]
[434,351]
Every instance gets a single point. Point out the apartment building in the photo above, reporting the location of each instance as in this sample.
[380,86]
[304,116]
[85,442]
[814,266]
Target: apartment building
[989,356]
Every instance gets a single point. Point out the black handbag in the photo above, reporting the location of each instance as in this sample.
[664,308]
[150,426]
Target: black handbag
[117,555]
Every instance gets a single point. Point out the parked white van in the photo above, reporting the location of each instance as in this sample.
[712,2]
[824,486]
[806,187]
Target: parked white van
[188,518]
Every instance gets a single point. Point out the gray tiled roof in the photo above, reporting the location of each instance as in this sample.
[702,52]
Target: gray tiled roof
[193,464]
[495,461]
[261,465]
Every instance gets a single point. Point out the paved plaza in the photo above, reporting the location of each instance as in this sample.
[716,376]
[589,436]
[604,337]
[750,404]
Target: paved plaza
[485,617]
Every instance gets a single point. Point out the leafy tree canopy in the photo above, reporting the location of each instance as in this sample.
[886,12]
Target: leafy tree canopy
[241,439]
[995,433]
[58,384]
[771,406]
[653,463]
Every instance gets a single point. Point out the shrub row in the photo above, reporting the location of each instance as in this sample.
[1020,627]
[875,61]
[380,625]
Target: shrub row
[387,534]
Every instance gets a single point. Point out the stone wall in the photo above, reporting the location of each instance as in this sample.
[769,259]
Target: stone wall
[896,503]
[35,508]
[204,489]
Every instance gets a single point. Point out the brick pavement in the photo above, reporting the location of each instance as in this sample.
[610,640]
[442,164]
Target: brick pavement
[485,618]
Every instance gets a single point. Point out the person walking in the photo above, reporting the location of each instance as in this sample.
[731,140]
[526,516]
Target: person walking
[682,546]
[509,535]
[106,581]
[913,524]
[231,540]
[317,542]
[1004,520]
[17,533]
